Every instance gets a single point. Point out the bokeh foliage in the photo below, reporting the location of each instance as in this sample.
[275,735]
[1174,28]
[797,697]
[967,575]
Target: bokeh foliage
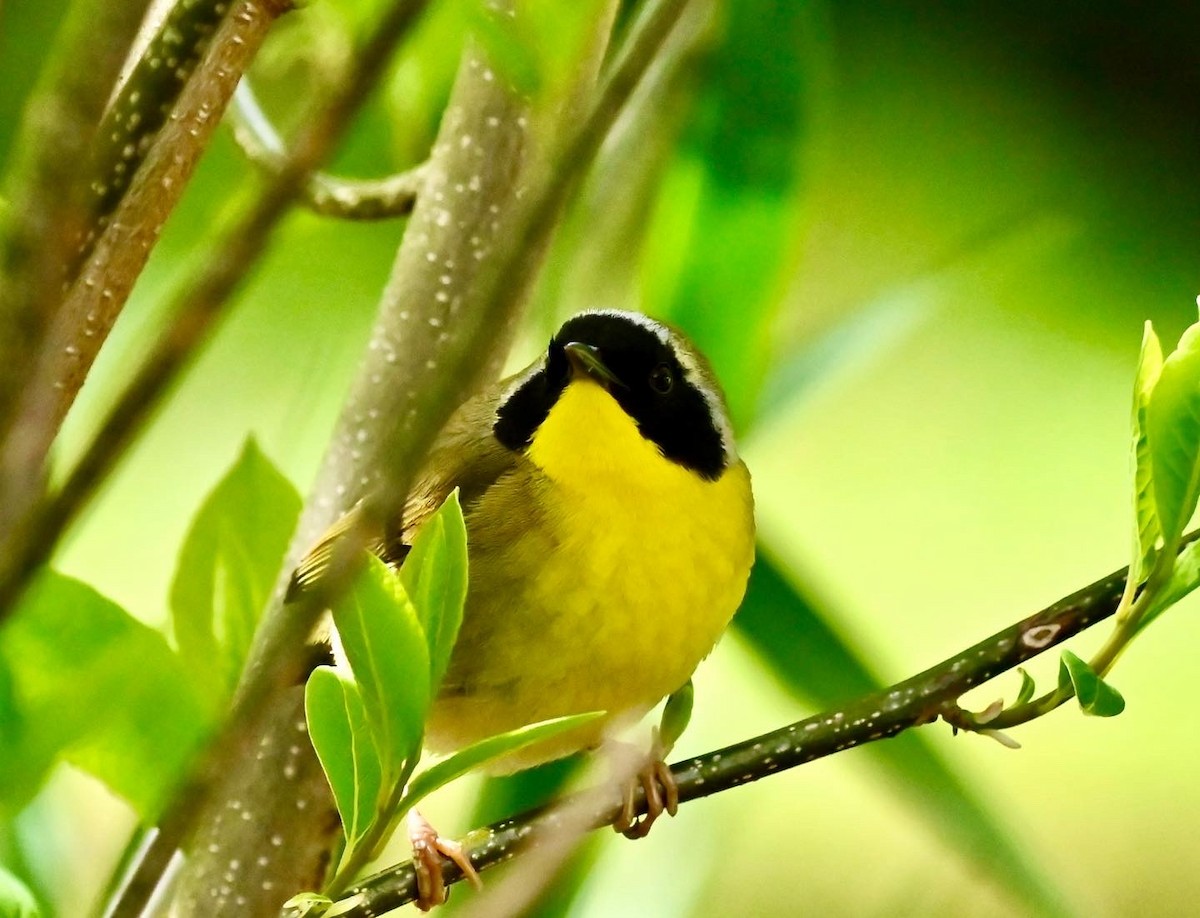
[918,241]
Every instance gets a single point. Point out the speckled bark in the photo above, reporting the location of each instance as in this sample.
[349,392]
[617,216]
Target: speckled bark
[471,182]
[46,190]
[96,298]
[278,767]
[443,328]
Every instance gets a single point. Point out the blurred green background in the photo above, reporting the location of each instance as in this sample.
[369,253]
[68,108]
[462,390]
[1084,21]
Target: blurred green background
[919,241]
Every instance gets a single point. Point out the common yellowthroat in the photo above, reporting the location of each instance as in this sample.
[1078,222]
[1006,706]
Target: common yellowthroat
[610,534]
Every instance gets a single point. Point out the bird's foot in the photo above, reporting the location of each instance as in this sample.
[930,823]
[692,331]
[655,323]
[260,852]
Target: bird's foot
[657,784]
[428,850]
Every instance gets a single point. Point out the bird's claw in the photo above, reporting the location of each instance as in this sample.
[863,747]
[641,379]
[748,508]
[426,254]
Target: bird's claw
[428,850]
[660,790]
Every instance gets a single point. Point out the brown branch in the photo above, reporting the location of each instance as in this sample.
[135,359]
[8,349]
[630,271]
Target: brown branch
[199,307]
[146,102]
[106,283]
[390,417]
[100,292]
[46,191]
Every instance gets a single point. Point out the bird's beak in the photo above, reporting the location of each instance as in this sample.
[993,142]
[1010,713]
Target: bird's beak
[585,360]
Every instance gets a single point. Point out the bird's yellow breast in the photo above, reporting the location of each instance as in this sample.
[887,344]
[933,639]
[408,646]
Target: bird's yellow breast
[613,574]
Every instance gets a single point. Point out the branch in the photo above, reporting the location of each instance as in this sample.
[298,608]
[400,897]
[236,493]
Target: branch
[324,194]
[146,101]
[100,292]
[45,190]
[880,715]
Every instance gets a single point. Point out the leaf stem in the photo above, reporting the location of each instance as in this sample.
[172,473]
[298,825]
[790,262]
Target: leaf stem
[371,844]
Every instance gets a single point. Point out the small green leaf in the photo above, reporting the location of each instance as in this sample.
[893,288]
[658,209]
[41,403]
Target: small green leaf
[1173,429]
[1108,703]
[1028,686]
[1147,530]
[308,905]
[385,646]
[16,901]
[227,568]
[435,577]
[97,687]
[337,724]
[465,760]
[1096,697]
[676,715]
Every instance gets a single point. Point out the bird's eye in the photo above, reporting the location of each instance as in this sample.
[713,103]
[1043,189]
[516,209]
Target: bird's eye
[662,380]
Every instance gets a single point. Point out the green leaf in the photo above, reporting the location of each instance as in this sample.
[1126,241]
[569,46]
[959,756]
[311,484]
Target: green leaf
[99,688]
[228,566]
[1173,428]
[1185,577]
[784,626]
[385,646]
[11,719]
[337,723]
[1028,687]
[480,753]
[676,715]
[16,901]
[727,221]
[308,904]
[1096,697]
[435,577]
[1147,530]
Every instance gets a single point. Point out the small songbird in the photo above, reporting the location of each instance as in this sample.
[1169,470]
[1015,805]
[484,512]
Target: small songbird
[610,533]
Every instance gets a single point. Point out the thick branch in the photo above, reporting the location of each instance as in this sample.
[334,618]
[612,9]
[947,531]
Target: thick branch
[391,402]
[915,701]
[458,282]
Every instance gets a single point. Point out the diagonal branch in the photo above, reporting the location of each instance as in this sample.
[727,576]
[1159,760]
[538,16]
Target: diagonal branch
[918,700]
[150,112]
[46,191]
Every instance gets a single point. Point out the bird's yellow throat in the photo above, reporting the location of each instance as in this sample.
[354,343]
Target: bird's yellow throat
[587,434]
[589,445]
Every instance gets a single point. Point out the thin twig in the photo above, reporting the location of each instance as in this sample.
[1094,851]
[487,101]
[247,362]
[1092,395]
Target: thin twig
[880,715]
[324,194]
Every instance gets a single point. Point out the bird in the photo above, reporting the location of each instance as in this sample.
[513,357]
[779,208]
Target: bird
[610,537]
